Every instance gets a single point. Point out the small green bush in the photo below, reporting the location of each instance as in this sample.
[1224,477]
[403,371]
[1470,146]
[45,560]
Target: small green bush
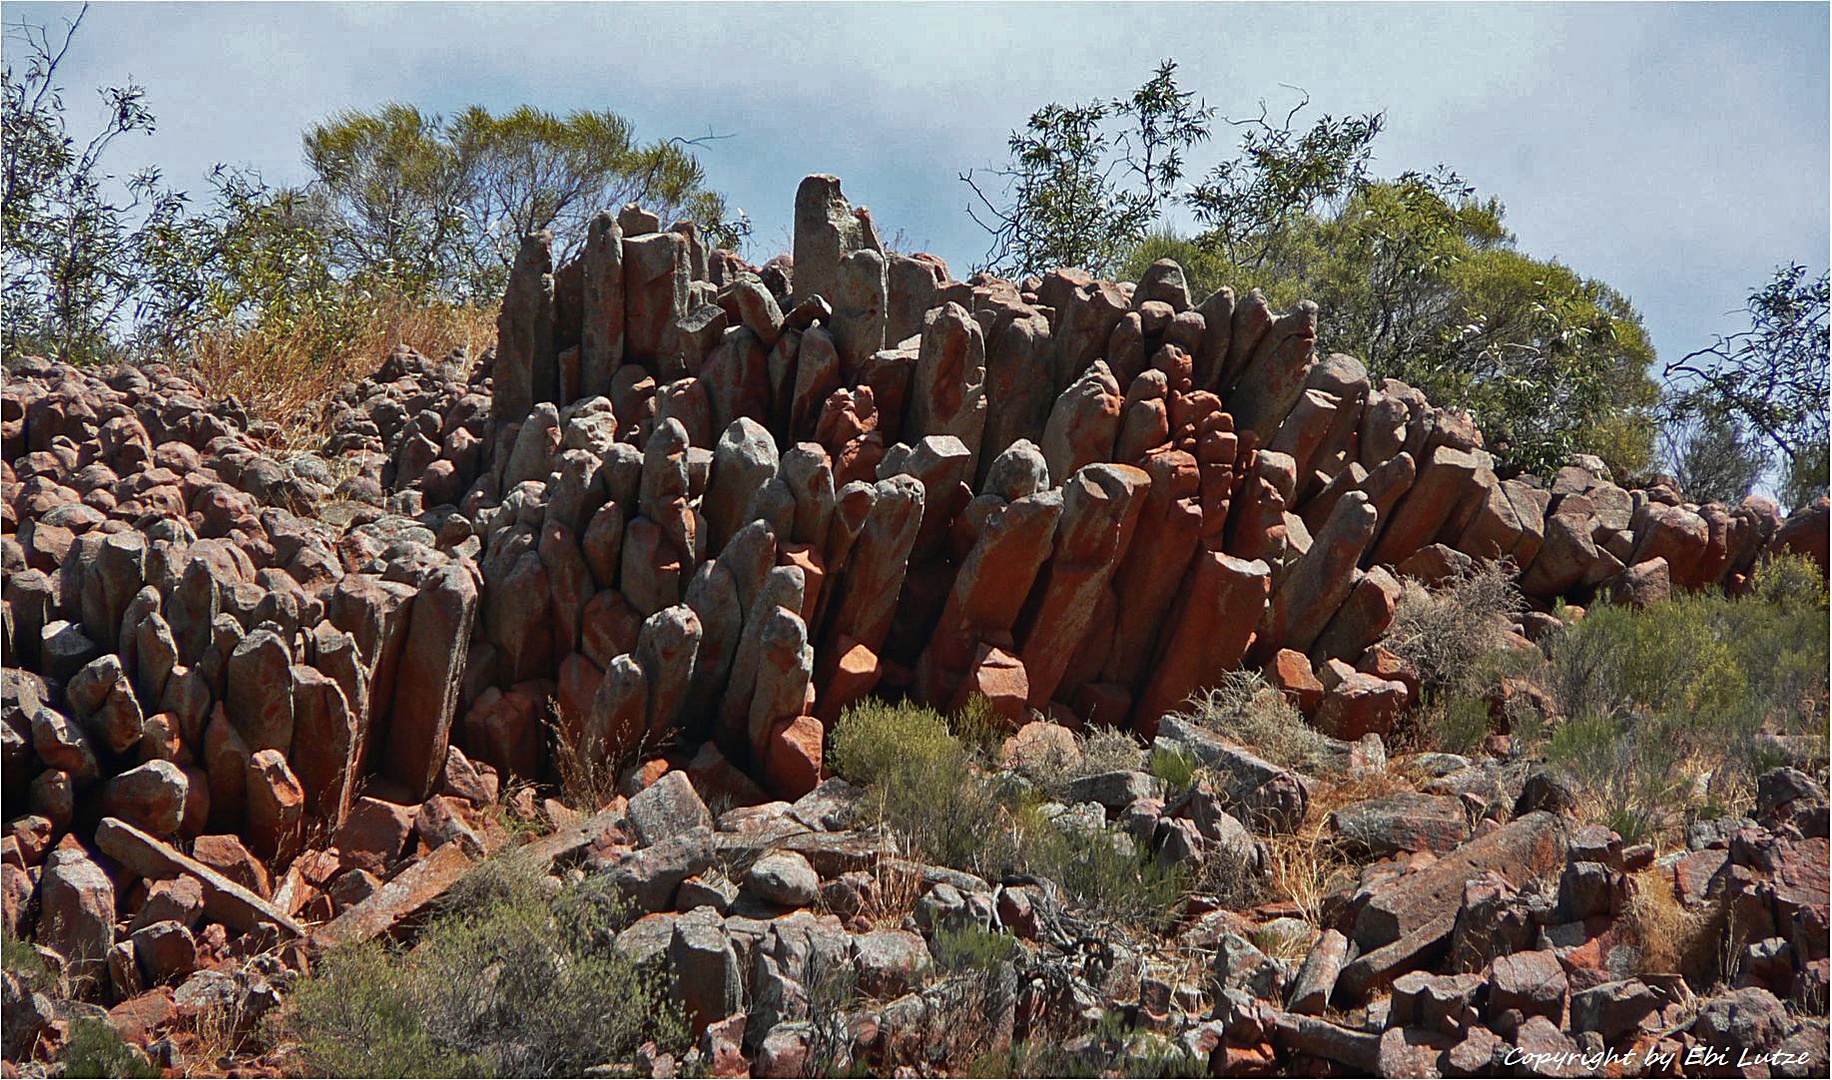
[1105,872]
[1788,582]
[929,789]
[876,738]
[1175,768]
[924,785]
[19,957]
[94,1049]
[1668,707]
[968,948]
[509,979]
[1458,723]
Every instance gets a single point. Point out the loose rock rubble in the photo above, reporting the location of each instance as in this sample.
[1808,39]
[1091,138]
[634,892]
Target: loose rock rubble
[687,512]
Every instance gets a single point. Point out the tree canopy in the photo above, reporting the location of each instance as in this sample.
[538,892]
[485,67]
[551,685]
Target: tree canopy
[71,230]
[403,206]
[1768,384]
[1086,181]
[443,203]
[1417,274]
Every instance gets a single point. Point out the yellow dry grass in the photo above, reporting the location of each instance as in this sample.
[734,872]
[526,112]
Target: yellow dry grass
[1307,863]
[1672,937]
[287,379]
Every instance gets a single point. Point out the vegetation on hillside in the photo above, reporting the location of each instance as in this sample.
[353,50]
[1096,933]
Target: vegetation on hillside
[1419,276]
[404,233]
[930,780]
[1661,715]
[1671,712]
[509,979]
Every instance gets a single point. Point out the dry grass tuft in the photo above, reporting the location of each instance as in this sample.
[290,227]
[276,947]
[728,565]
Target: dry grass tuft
[1105,749]
[286,378]
[221,1038]
[899,888]
[1672,937]
[1444,631]
[1307,863]
[1244,707]
[589,771]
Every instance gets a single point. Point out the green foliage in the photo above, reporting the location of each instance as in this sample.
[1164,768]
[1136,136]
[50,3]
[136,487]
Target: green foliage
[1808,476]
[1175,768]
[435,204]
[70,229]
[875,738]
[1712,456]
[509,979]
[1085,182]
[924,783]
[259,259]
[1789,583]
[19,957]
[1771,378]
[1416,274]
[1105,871]
[1635,780]
[1419,278]
[95,1048]
[1247,204]
[1668,706]
[929,788]
[404,207]
[1458,723]
[967,948]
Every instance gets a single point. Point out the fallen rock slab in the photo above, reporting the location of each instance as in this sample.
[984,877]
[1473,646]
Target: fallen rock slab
[225,901]
[399,900]
[1519,851]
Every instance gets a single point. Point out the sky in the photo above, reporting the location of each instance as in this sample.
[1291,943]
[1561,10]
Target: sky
[1678,152]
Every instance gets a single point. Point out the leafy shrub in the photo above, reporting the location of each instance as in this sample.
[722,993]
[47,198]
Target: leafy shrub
[1634,779]
[1457,723]
[1244,707]
[511,978]
[1175,768]
[923,784]
[1789,582]
[874,738]
[1668,707]
[19,957]
[1105,872]
[929,789]
[969,948]
[95,1048]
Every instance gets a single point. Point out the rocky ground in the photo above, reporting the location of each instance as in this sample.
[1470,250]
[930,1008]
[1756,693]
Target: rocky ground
[634,564]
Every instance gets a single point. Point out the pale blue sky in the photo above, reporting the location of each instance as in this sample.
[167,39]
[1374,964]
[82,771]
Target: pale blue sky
[1678,152]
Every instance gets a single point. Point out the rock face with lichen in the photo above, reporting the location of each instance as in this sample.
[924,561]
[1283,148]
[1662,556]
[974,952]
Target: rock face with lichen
[675,525]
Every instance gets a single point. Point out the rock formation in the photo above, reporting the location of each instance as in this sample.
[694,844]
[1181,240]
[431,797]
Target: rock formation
[691,517]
